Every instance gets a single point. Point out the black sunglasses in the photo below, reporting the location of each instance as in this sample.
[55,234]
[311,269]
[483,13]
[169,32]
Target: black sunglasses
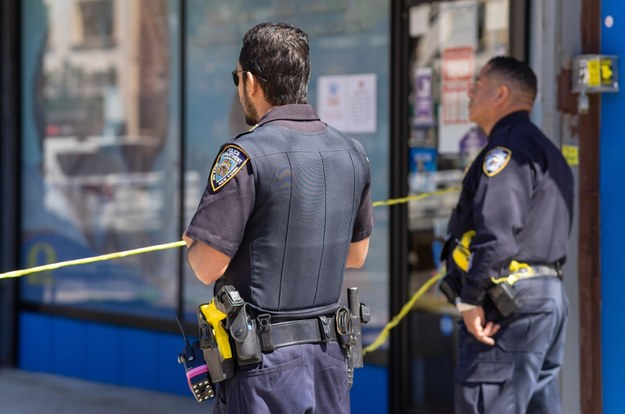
[235,76]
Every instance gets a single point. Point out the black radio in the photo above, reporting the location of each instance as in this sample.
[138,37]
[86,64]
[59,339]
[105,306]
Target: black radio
[196,369]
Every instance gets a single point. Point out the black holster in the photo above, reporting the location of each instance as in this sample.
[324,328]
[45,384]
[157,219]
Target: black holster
[349,331]
[243,332]
[218,367]
[504,298]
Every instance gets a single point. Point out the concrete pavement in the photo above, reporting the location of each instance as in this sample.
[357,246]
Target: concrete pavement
[23,392]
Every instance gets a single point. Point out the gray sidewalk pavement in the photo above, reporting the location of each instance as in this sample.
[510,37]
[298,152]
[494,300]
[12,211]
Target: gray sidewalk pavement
[23,392]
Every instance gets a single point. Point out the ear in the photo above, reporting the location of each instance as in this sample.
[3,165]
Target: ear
[251,83]
[502,95]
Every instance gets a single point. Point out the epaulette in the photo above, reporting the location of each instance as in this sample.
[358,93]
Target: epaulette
[245,132]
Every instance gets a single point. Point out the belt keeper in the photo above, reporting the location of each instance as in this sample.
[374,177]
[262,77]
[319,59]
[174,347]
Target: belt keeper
[264,328]
[558,267]
[324,329]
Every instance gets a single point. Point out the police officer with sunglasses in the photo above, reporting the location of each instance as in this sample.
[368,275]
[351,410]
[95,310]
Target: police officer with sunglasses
[286,210]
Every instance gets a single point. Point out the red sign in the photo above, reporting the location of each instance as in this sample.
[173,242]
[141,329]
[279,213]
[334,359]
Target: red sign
[458,70]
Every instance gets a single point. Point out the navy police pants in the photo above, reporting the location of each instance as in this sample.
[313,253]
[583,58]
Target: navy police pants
[519,374]
[297,379]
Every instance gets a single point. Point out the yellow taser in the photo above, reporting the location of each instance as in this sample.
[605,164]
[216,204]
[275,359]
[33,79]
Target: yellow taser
[214,316]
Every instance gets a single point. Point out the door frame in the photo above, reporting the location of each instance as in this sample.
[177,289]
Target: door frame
[9,176]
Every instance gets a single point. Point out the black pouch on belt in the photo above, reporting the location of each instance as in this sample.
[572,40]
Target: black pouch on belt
[243,331]
[504,298]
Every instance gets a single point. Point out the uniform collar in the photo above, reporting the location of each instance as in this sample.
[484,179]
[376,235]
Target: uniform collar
[295,112]
[512,118]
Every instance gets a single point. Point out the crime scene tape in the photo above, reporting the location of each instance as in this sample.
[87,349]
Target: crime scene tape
[87,260]
[165,246]
[403,200]
[383,335]
[380,339]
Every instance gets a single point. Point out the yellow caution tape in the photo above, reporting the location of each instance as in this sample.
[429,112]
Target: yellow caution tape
[381,338]
[403,200]
[117,255]
[383,335]
[87,260]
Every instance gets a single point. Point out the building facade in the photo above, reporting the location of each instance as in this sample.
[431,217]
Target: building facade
[112,112]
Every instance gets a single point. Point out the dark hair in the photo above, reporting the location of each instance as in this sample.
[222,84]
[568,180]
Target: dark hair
[514,71]
[278,54]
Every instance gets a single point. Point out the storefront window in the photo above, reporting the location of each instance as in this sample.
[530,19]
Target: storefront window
[100,151]
[101,135]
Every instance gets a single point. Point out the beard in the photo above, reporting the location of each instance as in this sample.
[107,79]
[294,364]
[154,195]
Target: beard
[251,114]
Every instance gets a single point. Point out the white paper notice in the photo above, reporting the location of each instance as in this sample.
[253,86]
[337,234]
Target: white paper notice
[348,102]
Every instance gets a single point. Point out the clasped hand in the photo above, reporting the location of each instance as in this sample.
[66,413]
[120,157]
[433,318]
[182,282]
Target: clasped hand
[475,322]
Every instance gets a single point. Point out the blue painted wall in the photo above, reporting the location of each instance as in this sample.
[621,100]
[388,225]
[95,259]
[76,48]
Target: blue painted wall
[140,359]
[101,353]
[612,200]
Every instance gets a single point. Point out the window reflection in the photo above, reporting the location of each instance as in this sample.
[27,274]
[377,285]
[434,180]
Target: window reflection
[93,26]
[101,151]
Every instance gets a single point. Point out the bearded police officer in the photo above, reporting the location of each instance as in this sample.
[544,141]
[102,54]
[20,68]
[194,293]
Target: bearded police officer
[287,208]
[509,236]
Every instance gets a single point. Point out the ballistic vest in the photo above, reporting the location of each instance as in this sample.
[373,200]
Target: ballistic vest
[308,188]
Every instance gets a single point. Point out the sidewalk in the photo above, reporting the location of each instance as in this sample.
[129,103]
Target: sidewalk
[23,392]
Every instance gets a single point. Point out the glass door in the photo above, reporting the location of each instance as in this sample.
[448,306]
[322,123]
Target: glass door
[445,44]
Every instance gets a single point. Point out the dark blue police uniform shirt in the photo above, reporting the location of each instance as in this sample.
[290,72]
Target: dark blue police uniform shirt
[518,197]
[220,219]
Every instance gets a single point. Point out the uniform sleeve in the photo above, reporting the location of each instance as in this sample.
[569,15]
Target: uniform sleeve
[499,207]
[220,218]
[363,223]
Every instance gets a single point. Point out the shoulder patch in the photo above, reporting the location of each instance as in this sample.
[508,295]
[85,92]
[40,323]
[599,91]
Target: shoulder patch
[496,160]
[228,163]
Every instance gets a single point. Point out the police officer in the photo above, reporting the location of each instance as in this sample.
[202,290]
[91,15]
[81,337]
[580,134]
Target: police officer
[287,208]
[514,215]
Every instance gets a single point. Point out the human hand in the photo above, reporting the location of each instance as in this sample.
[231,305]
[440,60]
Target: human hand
[475,322]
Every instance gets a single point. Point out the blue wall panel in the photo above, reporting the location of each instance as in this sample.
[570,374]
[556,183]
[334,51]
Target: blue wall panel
[35,351]
[612,201]
[68,347]
[103,353]
[140,359]
[369,394]
[171,375]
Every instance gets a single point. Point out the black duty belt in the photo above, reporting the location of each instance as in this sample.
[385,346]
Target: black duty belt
[303,331]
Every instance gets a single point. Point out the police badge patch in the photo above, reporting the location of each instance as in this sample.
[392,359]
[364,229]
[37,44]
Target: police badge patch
[496,160]
[228,163]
